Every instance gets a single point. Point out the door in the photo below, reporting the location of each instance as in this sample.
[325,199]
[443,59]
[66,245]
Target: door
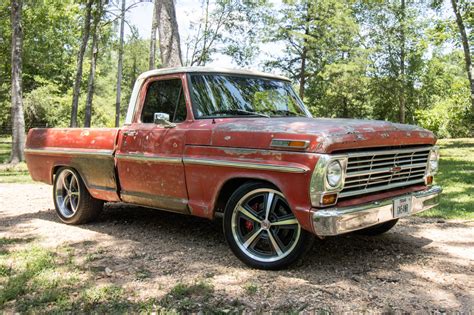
[149,156]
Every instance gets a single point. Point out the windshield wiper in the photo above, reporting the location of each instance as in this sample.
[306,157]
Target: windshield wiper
[239,112]
[284,112]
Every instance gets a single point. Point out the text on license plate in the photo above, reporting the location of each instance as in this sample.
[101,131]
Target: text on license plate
[401,207]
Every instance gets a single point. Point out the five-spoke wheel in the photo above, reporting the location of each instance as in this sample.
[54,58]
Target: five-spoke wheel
[67,193]
[261,228]
[73,203]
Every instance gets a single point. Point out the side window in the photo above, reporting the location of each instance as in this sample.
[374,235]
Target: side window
[164,96]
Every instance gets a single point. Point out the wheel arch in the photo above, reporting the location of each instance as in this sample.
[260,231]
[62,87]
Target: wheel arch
[229,187]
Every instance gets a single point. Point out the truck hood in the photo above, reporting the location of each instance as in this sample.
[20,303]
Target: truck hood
[325,135]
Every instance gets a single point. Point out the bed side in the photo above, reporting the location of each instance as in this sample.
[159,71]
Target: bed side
[89,151]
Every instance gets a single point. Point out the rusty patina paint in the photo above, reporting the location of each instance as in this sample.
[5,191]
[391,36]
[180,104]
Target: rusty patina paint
[171,184]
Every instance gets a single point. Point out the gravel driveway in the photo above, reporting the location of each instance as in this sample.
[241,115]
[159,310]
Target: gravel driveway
[422,264]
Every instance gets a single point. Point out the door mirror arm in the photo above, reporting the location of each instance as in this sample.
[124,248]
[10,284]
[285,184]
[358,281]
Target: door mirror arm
[163,119]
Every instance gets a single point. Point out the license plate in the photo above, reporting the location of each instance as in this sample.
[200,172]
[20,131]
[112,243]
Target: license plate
[401,207]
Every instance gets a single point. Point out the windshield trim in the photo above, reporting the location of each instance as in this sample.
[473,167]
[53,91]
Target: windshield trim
[193,102]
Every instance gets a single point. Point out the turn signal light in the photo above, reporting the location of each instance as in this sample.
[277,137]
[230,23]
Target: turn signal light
[329,199]
[295,144]
[429,180]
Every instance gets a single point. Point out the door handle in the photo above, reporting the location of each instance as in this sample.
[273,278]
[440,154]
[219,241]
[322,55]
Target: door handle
[131,133]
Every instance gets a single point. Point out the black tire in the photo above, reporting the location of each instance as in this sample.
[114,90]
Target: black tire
[378,229]
[72,201]
[278,232]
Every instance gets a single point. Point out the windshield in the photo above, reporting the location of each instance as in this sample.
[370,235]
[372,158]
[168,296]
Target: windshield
[218,95]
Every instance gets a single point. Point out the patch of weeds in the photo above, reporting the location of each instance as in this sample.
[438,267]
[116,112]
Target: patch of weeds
[27,264]
[99,253]
[5,271]
[250,288]
[105,299]
[9,241]
[14,173]
[189,298]
[142,274]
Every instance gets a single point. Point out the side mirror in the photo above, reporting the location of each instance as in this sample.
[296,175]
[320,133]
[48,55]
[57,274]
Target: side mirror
[163,119]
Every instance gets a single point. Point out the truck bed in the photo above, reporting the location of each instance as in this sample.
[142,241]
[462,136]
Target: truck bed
[89,151]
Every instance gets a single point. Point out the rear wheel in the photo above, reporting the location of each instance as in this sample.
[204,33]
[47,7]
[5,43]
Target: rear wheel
[261,229]
[73,203]
[378,229]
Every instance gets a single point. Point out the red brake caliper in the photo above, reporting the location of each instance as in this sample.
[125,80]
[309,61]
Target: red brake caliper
[249,224]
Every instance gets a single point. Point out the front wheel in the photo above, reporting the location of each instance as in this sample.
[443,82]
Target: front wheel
[73,203]
[261,229]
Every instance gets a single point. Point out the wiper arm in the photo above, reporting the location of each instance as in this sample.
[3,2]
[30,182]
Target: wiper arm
[240,112]
[284,112]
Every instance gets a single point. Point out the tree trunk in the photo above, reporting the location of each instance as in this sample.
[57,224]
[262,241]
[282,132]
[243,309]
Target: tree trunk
[94,53]
[304,53]
[466,48]
[80,59]
[170,49]
[401,96]
[154,27]
[18,119]
[119,68]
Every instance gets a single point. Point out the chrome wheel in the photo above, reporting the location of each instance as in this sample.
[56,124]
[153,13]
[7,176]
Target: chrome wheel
[67,193]
[263,225]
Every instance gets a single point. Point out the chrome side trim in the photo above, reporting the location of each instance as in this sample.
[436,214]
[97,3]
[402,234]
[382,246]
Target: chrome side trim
[246,165]
[59,151]
[335,221]
[141,158]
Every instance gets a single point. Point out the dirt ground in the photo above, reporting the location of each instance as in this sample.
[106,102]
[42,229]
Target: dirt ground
[422,264]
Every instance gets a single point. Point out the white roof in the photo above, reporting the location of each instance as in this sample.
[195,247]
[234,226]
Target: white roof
[163,71]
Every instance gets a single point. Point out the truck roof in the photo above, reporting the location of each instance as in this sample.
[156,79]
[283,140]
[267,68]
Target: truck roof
[163,71]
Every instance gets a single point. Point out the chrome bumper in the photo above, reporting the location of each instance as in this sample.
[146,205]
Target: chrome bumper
[336,221]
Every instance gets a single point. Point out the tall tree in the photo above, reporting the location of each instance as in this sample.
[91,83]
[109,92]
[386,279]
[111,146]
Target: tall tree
[170,49]
[119,67]
[80,59]
[93,65]
[18,120]
[465,43]
[154,27]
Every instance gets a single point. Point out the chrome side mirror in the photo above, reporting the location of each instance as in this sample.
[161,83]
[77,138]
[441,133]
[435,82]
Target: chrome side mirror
[163,119]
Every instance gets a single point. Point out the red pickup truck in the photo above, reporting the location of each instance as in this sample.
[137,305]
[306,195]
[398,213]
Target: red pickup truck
[240,145]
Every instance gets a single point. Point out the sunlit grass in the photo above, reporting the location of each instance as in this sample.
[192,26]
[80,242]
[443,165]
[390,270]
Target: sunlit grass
[11,173]
[456,176]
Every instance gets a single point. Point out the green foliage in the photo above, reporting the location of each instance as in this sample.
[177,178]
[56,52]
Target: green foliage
[47,106]
[456,176]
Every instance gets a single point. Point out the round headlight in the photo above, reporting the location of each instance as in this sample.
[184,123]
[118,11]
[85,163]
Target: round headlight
[434,161]
[334,174]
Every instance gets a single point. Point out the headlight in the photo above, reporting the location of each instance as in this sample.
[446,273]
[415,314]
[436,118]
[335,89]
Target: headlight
[334,174]
[434,157]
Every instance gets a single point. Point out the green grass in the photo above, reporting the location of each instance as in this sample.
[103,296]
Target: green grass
[456,176]
[11,173]
[5,147]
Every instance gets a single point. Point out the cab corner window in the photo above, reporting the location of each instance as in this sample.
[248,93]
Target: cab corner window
[164,96]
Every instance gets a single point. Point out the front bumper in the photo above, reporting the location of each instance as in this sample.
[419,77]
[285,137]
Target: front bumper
[334,221]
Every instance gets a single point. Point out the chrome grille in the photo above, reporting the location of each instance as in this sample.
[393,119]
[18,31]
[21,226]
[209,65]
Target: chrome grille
[381,170]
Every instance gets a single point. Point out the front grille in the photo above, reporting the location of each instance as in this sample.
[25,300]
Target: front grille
[382,170]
